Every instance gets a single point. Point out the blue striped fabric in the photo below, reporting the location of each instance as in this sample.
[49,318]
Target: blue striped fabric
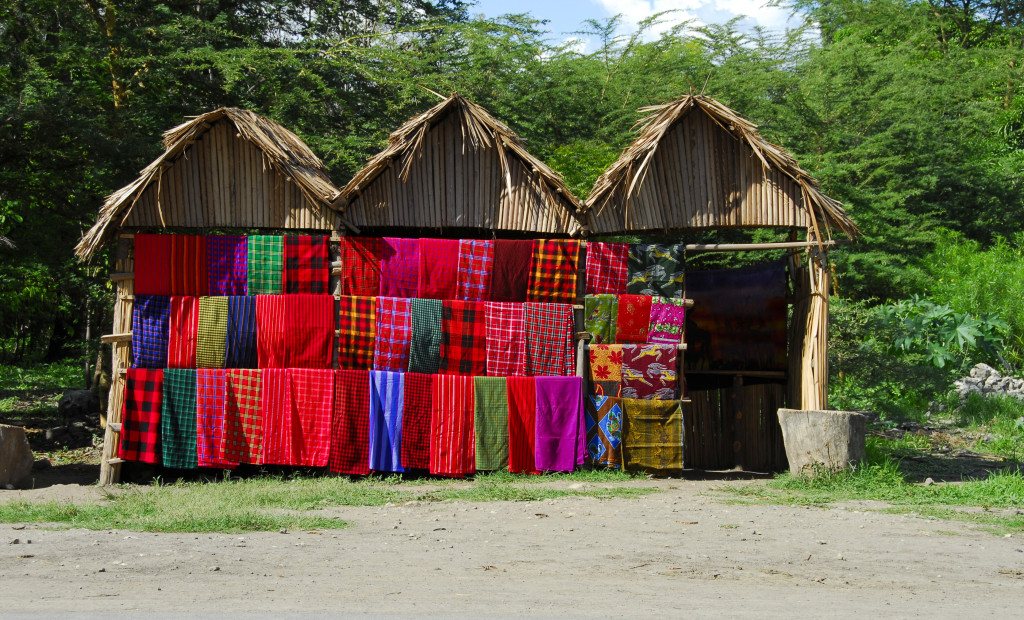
[241,347]
[151,318]
[387,391]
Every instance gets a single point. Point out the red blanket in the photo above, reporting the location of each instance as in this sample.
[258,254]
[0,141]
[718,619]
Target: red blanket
[634,318]
[140,418]
[439,268]
[416,412]
[184,325]
[305,264]
[271,341]
[463,339]
[522,411]
[553,275]
[452,444]
[511,271]
[152,264]
[243,423]
[350,424]
[309,330]
[188,265]
[360,265]
[357,325]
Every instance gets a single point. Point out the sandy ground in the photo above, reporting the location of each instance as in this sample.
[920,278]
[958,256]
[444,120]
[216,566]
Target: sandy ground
[683,551]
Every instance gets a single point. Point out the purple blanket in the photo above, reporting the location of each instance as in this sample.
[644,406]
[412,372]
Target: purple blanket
[560,429]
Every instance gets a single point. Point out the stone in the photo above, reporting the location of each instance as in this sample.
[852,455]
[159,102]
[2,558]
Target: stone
[831,440]
[78,404]
[16,458]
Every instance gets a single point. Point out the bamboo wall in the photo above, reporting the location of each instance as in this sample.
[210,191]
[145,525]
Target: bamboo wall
[120,360]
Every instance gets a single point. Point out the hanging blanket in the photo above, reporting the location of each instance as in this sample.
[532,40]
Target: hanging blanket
[357,329]
[510,276]
[452,448]
[607,268]
[276,414]
[601,314]
[634,318]
[400,267]
[393,335]
[439,268]
[360,265]
[553,274]
[312,393]
[549,350]
[350,424]
[226,264]
[151,318]
[140,417]
[306,264]
[241,343]
[604,431]
[476,259]
[266,265]
[243,423]
[490,423]
[656,270]
[309,330]
[652,436]
[271,343]
[506,338]
[188,265]
[559,425]
[211,409]
[386,399]
[184,326]
[649,371]
[211,343]
[522,410]
[463,338]
[668,318]
[417,403]
[606,362]
[152,264]
[425,349]
[178,420]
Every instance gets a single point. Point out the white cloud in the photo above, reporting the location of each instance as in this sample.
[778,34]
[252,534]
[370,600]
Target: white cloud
[633,11]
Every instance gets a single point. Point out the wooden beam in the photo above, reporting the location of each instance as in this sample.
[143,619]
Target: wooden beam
[763,374]
[111,338]
[122,276]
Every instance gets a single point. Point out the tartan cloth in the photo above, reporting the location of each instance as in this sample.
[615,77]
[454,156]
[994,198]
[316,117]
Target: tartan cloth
[549,340]
[188,265]
[656,270]
[306,264]
[522,412]
[463,338]
[601,314]
[151,317]
[140,416]
[439,268]
[276,414]
[425,347]
[227,258]
[490,422]
[350,423]
[452,448]
[652,436]
[184,327]
[606,362]
[607,268]
[553,274]
[178,420]
[559,426]
[312,404]
[604,431]
[400,267]
[668,319]
[634,318]
[416,410]
[360,265]
[265,266]
[271,341]
[393,335]
[510,275]
[211,343]
[386,399]
[309,330]
[474,278]
[649,371]
[243,419]
[211,407]
[241,341]
[357,327]
[152,264]
[506,338]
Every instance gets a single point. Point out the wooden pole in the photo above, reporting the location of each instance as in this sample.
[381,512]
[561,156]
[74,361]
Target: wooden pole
[110,467]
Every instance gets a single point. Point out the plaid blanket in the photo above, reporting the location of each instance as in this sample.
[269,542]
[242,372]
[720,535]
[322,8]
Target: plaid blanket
[226,264]
[604,431]
[439,268]
[152,264]
[211,342]
[350,424]
[463,338]
[549,349]
[634,318]
[178,420]
[394,334]
[271,342]
[649,371]
[400,267]
[188,265]
[211,407]
[276,414]
[601,315]
[490,422]
[607,269]
[243,421]
[386,399]
[357,326]
[360,266]
[416,410]
[668,319]
[652,436]
[559,426]
[312,400]
[184,326]
[553,275]
[151,318]
[506,338]
[241,340]
[425,349]
[306,264]
[309,330]
[265,270]
[140,418]
[474,278]
[522,410]
[656,270]
[510,274]
[452,449]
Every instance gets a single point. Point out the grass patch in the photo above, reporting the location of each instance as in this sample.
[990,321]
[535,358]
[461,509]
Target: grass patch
[998,419]
[30,392]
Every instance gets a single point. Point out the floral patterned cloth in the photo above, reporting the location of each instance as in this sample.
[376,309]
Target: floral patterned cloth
[606,362]
[634,318]
[668,318]
[601,317]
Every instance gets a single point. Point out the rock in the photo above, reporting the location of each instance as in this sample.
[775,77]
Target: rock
[985,380]
[831,440]
[78,404]
[16,458]
[58,434]
[42,464]
[928,482]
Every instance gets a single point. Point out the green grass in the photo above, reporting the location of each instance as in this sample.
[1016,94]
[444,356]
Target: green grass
[1002,417]
[33,391]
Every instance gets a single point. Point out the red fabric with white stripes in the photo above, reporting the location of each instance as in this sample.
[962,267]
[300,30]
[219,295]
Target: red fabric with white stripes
[452,443]
[184,325]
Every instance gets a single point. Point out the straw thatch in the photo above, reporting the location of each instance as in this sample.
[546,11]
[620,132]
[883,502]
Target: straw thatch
[455,165]
[231,133]
[698,164]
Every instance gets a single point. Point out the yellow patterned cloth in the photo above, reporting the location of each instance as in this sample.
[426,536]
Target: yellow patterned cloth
[211,343]
[606,362]
[652,436]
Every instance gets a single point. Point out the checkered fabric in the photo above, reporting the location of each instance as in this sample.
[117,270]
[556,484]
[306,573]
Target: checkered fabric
[549,330]
[490,422]
[452,447]
[227,258]
[152,264]
[211,342]
[184,327]
[271,341]
[312,392]
[276,414]
[188,265]
[386,396]
[178,420]
[417,403]
[506,338]
[463,338]
[439,268]
[394,334]
[652,436]
[243,424]
[350,424]
[151,317]
[211,407]
[400,267]
[140,418]
[553,274]
[522,411]
[306,264]
[241,344]
[360,265]
[357,326]
[474,278]
[607,268]
[600,317]
[425,350]
[265,268]
[309,330]
[510,276]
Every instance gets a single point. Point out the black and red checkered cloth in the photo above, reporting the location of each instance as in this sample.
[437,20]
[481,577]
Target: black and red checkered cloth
[553,274]
[463,338]
[306,264]
[360,265]
[243,423]
[140,418]
[549,350]
[416,411]
[350,423]
[357,327]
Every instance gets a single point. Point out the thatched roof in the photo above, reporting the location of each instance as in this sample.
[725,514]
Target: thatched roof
[617,185]
[283,151]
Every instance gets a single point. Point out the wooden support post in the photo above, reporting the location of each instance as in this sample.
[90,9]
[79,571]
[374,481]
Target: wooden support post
[737,430]
[110,466]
